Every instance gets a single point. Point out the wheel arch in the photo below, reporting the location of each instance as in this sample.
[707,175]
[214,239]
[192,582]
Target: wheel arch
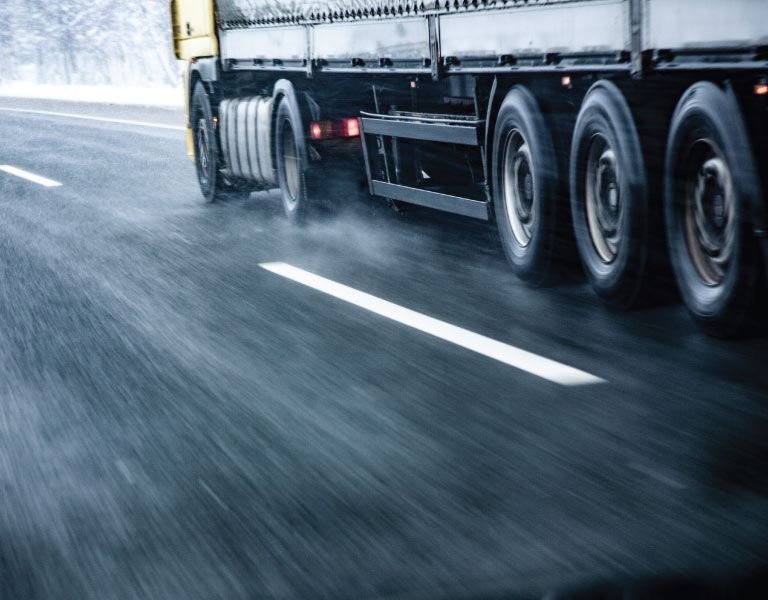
[285,89]
[495,98]
[205,70]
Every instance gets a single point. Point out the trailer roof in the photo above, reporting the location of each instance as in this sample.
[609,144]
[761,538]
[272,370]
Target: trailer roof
[236,14]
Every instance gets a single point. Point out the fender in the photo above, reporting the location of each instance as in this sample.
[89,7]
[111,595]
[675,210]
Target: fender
[758,214]
[198,69]
[206,70]
[284,89]
[494,101]
[757,199]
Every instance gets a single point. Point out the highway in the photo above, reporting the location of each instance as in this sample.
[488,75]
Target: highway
[205,401]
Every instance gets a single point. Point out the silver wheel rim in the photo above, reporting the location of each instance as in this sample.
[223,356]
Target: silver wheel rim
[290,165]
[519,187]
[710,212]
[605,211]
[203,153]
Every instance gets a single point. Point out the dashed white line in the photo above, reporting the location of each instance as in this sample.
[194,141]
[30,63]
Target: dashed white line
[29,176]
[89,118]
[505,353]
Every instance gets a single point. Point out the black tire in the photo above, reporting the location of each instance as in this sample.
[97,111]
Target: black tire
[213,183]
[710,184]
[525,186]
[291,159]
[609,198]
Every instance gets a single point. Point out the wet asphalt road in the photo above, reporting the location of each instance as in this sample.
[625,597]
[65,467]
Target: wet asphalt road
[177,422]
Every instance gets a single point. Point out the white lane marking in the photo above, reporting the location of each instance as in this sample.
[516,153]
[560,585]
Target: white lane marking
[515,357]
[73,116]
[30,176]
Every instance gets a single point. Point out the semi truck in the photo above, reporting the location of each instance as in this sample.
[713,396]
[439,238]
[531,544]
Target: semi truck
[633,132]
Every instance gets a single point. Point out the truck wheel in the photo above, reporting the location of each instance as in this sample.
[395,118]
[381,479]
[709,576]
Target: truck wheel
[291,155]
[525,177]
[609,196]
[710,182]
[213,184]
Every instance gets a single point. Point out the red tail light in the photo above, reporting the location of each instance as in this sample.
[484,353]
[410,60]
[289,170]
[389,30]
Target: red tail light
[321,130]
[352,128]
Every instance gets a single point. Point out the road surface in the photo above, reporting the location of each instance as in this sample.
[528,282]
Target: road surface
[203,401]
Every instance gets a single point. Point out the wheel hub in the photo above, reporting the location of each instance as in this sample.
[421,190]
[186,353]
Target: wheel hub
[607,192]
[603,199]
[290,164]
[203,152]
[710,212]
[519,187]
[525,183]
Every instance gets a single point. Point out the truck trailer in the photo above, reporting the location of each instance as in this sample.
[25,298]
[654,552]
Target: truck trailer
[632,130]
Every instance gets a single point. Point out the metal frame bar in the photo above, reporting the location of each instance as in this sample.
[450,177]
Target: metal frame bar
[425,118]
[432,132]
[364,143]
[438,132]
[636,37]
[435,59]
[581,68]
[468,207]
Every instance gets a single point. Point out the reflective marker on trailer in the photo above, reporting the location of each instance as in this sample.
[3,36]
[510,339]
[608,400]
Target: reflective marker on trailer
[505,353]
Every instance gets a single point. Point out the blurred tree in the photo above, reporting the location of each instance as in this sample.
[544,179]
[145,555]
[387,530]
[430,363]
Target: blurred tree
[87,41]
[8,69]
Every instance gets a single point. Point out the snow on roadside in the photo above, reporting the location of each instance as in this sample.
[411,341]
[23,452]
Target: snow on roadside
[108,94]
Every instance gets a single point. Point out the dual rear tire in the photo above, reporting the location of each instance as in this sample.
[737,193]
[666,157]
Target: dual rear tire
[292,160]
[609,199]
[290,151]
[710,187]
[608,192]
[525,180]
[214,184]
